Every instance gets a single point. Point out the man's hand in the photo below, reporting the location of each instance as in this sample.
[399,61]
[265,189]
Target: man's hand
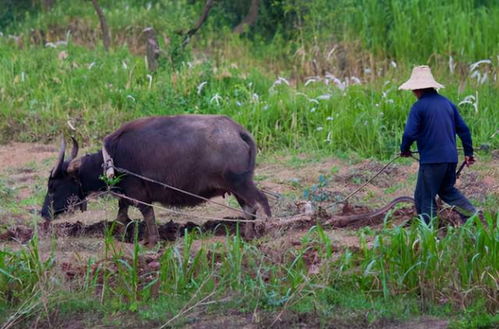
[469,160]
[406,154]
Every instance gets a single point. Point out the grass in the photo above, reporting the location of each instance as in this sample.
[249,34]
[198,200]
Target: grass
[46,90]
[38,101]
[418,265]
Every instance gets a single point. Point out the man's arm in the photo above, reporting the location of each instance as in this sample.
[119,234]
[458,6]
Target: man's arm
[411,130]
[463,132]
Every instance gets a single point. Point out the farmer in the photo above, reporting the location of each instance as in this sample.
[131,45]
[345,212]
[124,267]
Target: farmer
[433,123]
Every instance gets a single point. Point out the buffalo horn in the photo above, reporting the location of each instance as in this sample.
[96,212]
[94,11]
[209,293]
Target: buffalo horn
[60,159]
[74,151]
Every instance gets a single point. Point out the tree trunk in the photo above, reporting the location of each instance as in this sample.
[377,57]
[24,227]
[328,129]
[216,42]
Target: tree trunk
[250,19]
[47,4]
[152,49]
[199,23]
[106,38]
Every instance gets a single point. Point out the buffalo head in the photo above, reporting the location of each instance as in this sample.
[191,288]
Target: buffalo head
[64,188]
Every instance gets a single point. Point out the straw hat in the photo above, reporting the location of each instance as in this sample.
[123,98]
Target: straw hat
[421,78]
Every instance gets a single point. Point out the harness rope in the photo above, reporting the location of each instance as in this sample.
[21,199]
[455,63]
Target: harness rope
[180,190]
[119,195]
[109,168]
[365,184]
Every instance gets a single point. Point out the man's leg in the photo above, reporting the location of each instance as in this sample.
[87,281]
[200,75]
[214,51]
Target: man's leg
[430,178]
[451,195]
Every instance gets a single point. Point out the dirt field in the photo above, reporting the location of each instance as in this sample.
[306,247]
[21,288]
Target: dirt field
[291,180]
[24,170]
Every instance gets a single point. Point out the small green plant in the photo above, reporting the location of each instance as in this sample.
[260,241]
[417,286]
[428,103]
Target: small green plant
[6,193]
[112,181]
[317,192]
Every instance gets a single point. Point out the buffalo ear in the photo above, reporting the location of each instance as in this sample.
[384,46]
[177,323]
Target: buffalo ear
[74,167]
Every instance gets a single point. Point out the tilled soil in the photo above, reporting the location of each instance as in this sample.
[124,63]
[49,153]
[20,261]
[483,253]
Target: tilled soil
[171,230]
[24,167]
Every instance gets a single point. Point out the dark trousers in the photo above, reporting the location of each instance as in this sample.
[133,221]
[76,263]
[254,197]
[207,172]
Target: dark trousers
[439,179]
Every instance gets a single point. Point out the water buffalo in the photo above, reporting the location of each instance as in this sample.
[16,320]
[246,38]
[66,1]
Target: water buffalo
[209,155]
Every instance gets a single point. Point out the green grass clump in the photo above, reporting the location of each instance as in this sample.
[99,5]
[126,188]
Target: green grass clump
[418,264]
[425,261]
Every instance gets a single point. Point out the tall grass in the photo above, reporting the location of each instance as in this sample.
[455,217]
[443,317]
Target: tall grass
[427,262]
[419,262]
[96,92]
[409,31]
[44,88]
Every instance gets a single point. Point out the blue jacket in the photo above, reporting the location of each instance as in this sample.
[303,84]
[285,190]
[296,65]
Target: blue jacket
[433,123]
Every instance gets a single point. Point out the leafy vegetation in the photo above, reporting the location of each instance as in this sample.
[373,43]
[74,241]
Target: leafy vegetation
[419,262]
[262,85]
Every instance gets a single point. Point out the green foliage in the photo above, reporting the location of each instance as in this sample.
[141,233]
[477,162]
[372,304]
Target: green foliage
[410,31]
[111,181]
[418,264]
[97,92]
[21,274]
[6,192]
[316,192]
[425,261]
[42,88]
[12,11]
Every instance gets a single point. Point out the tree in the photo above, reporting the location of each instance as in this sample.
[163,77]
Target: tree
[199,23]
[106,38]
[152,49]
[250,18]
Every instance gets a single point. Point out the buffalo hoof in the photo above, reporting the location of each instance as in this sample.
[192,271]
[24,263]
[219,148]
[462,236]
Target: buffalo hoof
[45,226]
[152,241]
[249,231]
[253,230]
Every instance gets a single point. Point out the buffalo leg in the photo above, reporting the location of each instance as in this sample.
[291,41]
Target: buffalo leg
[263,201]
[151,228]
[249,214]
[122,219]
[249,211]
[248,192]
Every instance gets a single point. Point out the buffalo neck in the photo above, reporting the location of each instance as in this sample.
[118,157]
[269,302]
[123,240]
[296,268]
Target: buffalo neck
[90,173]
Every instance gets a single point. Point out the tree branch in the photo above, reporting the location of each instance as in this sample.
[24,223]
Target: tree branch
[106,39]
[250,19]
[199,23]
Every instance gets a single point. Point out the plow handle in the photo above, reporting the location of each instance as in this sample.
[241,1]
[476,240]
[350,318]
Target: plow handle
[458,173]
